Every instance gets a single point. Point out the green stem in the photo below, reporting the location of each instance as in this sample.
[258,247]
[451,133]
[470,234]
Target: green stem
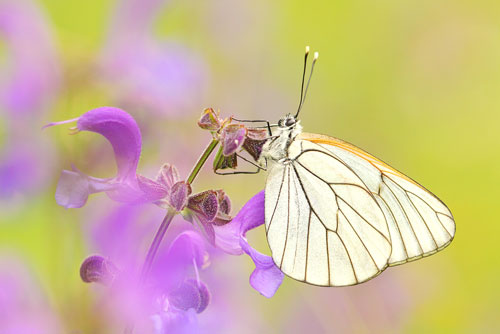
[201,160]
[153,249]
[155,245]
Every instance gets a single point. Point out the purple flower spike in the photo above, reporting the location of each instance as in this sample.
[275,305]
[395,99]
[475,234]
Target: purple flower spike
[267,277]
[148,72]
[97,269]
[31,81]
[123,133]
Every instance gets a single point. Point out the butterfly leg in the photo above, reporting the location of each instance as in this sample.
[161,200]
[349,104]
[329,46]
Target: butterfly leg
[259,168]
[268,125]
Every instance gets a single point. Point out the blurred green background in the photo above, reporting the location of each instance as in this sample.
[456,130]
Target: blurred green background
[413,82]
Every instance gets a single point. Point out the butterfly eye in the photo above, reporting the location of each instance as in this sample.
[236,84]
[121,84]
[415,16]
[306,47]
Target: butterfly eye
[290,121]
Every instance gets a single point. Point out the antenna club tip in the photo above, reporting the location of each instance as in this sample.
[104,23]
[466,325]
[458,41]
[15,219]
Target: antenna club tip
[307,49]
[316,55]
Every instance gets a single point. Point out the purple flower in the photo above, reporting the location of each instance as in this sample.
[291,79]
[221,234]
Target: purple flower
[267,277]
[146,73]
[32,78]
[172,294]
[29,85]
[23,308]
[123,133]
[207,208]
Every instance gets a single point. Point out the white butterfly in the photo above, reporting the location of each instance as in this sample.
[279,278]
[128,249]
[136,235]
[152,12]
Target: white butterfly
[336,215]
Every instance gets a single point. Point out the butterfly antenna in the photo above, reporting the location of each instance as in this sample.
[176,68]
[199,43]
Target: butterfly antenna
[303,79]
[303,98]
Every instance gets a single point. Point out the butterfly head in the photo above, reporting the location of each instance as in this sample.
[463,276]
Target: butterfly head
[287,122]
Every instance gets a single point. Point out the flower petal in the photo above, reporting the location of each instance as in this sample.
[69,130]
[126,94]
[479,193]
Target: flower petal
[232,138]
[153,191]
[168,175]
[74,188]
[173,265]
[267,277]
[210,120]
[205,203]
[123,133]
[179,195]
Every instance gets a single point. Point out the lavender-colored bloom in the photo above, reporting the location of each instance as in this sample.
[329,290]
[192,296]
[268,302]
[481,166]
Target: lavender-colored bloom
[32,78]
[171,295]
[29,83]
[267,277]
[23,308]
[146,73]
[123,133]
[19,170]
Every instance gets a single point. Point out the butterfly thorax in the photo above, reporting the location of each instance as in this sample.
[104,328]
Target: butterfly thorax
[276,148]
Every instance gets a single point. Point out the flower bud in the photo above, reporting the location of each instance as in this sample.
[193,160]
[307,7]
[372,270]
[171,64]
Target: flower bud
[97,269]
[210,120]
[224,202]
[190,294]
[179,194]
[205,203]
[168,175]
[254,141]
[232,138]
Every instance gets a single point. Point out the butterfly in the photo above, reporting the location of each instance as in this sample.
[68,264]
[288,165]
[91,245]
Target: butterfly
[336,216]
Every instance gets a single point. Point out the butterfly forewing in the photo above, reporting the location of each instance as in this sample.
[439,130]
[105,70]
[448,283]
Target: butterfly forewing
[419,223]
[324,225]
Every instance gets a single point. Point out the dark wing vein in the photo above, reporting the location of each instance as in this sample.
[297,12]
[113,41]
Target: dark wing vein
[436,212]
[336,195]
[287,221]
[298,220]
[421,217]
[332,155]
[362,242]
[406,215]
[349,256]
[307,198]
[328,258]
[396,223]
[277,201]
[307,247]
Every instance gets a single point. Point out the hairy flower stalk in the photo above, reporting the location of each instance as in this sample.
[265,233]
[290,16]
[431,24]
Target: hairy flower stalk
[153,249]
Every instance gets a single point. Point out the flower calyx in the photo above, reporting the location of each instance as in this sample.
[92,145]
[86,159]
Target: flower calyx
[233,137]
